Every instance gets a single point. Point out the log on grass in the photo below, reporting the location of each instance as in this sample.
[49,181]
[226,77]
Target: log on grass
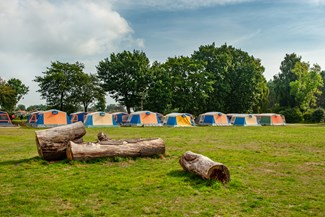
[204,167]
[116,148]
[52,143]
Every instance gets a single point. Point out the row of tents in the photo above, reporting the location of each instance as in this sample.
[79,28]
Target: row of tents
[52,118]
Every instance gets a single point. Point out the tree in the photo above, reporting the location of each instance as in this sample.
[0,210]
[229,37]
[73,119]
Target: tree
[115,108]
[19,87]
[21,107]
[189,84]
[159,96]
[7,96]
[40,107]
[86,90]
[321,98]
[65,86]
[307,85]
[11,92]
[238,82]
[125,77]
[284,78]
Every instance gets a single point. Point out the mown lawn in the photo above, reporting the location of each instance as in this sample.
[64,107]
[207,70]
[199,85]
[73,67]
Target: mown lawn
[275,171]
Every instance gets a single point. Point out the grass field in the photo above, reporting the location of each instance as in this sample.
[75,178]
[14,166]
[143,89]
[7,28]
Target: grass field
[275,171]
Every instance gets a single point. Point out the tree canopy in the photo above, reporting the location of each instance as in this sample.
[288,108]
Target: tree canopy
[11,92]
[65,86]
[125,77]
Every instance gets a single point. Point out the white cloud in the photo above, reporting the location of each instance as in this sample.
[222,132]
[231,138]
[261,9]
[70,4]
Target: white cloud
[176,4]
[68,27]
[33,33]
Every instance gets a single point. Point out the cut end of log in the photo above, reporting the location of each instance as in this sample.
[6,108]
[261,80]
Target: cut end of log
[102,137]
[220,173]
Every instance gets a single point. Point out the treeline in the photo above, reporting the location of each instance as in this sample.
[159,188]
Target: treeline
[213,78]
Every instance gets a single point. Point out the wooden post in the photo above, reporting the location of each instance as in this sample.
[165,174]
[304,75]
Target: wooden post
[52,143]
[204,167]
[116,148]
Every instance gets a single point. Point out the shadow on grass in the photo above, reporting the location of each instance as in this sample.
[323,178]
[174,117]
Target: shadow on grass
[23,161]
[194,180]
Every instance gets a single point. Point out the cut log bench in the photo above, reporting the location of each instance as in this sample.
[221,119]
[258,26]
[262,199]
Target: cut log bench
[204,167]
[53,142]
[113,148]
[63,142]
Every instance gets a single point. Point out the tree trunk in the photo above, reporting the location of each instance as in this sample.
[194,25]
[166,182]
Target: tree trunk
[52,143]
[116,148]
[204,167]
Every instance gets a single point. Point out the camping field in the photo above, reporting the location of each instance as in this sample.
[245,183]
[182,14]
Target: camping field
[275,171]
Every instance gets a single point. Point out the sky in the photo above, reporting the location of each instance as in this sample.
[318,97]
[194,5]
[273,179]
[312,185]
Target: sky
[34,33]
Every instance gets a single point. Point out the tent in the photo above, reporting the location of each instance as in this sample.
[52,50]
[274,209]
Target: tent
[214,119]
[100,119]
[49,118]
[245,120]
[144,118]
[78,116]
[120,117]
[271,120]
[5,119]
[179,120]
[32,118]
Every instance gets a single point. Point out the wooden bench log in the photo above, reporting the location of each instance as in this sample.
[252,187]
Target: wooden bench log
[115,148]
[204,167]
[52,143]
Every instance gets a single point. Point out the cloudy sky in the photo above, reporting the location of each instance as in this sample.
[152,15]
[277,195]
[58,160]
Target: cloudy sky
[33,33]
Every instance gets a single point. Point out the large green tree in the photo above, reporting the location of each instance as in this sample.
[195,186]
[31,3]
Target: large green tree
[65,86]
[7,96]
[307,85]
[86,90]
[238,81]
[160,93]
[190,84]
[284,78]
[125,77]
[11,92]
[20,88]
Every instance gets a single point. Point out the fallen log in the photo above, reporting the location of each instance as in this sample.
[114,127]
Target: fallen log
[115,148]
[52,143]
[204,167]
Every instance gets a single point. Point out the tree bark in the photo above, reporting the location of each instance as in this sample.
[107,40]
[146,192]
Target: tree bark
[204,167]
[116,148]
[52,143]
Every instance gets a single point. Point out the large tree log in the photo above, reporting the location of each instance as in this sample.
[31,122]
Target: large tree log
[116,148]
[204,167]
[52,143]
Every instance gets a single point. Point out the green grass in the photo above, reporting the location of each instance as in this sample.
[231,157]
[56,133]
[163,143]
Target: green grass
[275,171]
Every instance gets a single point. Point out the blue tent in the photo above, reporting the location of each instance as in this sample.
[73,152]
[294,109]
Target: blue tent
[5,119]
[100,119]
[179,120]
[49,118]
[78,116]
[120,117]
[245,120]
[144,118]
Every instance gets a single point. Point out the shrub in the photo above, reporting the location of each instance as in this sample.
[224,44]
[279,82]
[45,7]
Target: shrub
[308,115]
[318,115]
[292,115]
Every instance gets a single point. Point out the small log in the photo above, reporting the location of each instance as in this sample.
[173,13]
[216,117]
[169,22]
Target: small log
[52,143]
[204,167]
[102,137]
[116,148]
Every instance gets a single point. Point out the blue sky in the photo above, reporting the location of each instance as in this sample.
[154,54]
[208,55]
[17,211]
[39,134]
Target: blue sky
[33,33]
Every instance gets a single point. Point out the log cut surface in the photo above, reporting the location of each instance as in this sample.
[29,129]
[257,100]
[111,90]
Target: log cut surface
[204,167]
[52,143]
[113,148]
